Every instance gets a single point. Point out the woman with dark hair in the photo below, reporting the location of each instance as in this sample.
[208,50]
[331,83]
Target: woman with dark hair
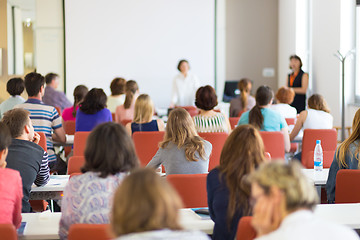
[15,87]
[265,119]
[184,86]
[109,157]
[208,120]
[298,80]
[126,111]
[70,113]
[92,111]
[117,96]
[245,101]
[228,194]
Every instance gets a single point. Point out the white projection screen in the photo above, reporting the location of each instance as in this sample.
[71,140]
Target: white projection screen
[142,40]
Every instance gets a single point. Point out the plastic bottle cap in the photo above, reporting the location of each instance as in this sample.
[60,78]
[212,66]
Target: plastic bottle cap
[318,141]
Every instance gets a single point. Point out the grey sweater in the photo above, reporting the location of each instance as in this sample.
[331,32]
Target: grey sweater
[175,162]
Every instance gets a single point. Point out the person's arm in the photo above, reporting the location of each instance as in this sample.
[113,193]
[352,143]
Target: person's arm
[286,139]
[59,135]
[298,125]
[156,161]
[161,125]
[228,124]
[18,202]
[128,128]
[331,181]
[174,94]
[43,175]
[304,85]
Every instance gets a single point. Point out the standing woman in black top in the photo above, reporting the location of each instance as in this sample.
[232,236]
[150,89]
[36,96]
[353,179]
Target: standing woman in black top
[298,80]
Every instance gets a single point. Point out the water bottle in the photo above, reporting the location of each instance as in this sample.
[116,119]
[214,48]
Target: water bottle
[318,156]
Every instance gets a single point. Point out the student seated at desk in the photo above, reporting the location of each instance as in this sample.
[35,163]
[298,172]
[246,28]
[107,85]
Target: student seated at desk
[126,110]
[109,157]
[228,195]
[346,157]
[25,155]
[285,96]
[69,114]
[284,200]
[10,184]
[182,151]
[147,207]
[117,96]
[143,114]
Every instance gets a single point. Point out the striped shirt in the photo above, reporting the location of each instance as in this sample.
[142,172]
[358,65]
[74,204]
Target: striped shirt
[45,119]
[216,123]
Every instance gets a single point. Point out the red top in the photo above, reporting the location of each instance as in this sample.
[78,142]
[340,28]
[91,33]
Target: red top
[67,114]
[10,197]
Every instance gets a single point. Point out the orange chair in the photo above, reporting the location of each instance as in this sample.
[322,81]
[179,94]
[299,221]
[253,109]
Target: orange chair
[217,140]
[347,188]
[193,111]
[245,230]
[58,109]
[240,113]
[69,127]
[8,232]
[125,121]
[191,188]
[146,145]
[42,142]
[113,117]
[274,144]
[328,139]
[80,143]
[74,174]
[74,164]
[90,232]
[234,121]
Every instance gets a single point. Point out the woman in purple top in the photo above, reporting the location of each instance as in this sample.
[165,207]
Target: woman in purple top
[92,111]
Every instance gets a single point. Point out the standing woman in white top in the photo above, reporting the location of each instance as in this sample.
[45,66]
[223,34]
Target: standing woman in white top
[285,96]
[184,87]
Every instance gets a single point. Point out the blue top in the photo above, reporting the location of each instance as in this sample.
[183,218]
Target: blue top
[273,121]
[144,127]
[352,163]
[218,201]
[86,122]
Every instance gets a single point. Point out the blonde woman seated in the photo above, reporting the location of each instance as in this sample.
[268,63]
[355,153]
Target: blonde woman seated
[143,117]
[284,201]
[208,120]
[285,96]
[182,151]
[147,207]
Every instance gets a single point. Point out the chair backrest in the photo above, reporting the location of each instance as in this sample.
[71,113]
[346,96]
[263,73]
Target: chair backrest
[42,142]
[274,144]
[347,188]
[8,232]
[125,121]
[290,121]
[217,140]
[74,174]
[191,188]
[233,121]
[113,117]
[80,143]
[90,232]
[245,230]
[74,164]
[69,127]
[328,139]
[193,111]
[146,145]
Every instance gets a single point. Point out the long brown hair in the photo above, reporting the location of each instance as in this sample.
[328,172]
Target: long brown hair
[343,149]
[145,202]
[79,94]
[242,153]
[264,94]
[244,87]
[130,89]
[180,130]
[317,102]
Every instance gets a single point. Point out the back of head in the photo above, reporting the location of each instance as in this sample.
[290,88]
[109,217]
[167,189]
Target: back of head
[80,92]
[130,89]
[299,192]
[206,98]
[15,86]
[285,95]
[264,94]
[144,109]
[16,120]
[317,102]
[33,83]
[50,77]
[94,101]
[145,202]
[244,86]
[117,86]
[5,137]
[109,150]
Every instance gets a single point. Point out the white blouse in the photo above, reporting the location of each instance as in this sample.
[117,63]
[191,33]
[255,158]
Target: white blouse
[184,89]
[317,119]
[285,110]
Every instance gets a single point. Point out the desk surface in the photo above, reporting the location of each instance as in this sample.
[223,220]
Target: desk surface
[318,177]
[57,184]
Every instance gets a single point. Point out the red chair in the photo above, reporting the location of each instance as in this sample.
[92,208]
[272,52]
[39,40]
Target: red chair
[74,174]
[217,140]
[290,121]
[274,144]
[328,139]
[193,111]
[240,113]
[90,232]
[42,142]
[245,230]
[347,188]
[69,127]
[191,188]
[125,121]
[8,232]
[113,117]
[234,121]
[74,164]
[146,145]
[80,143]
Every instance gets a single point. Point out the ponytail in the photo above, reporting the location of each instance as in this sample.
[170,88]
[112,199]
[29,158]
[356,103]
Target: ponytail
[129,96]
[255,117]
[79,93]
[130,89]
[244,86]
